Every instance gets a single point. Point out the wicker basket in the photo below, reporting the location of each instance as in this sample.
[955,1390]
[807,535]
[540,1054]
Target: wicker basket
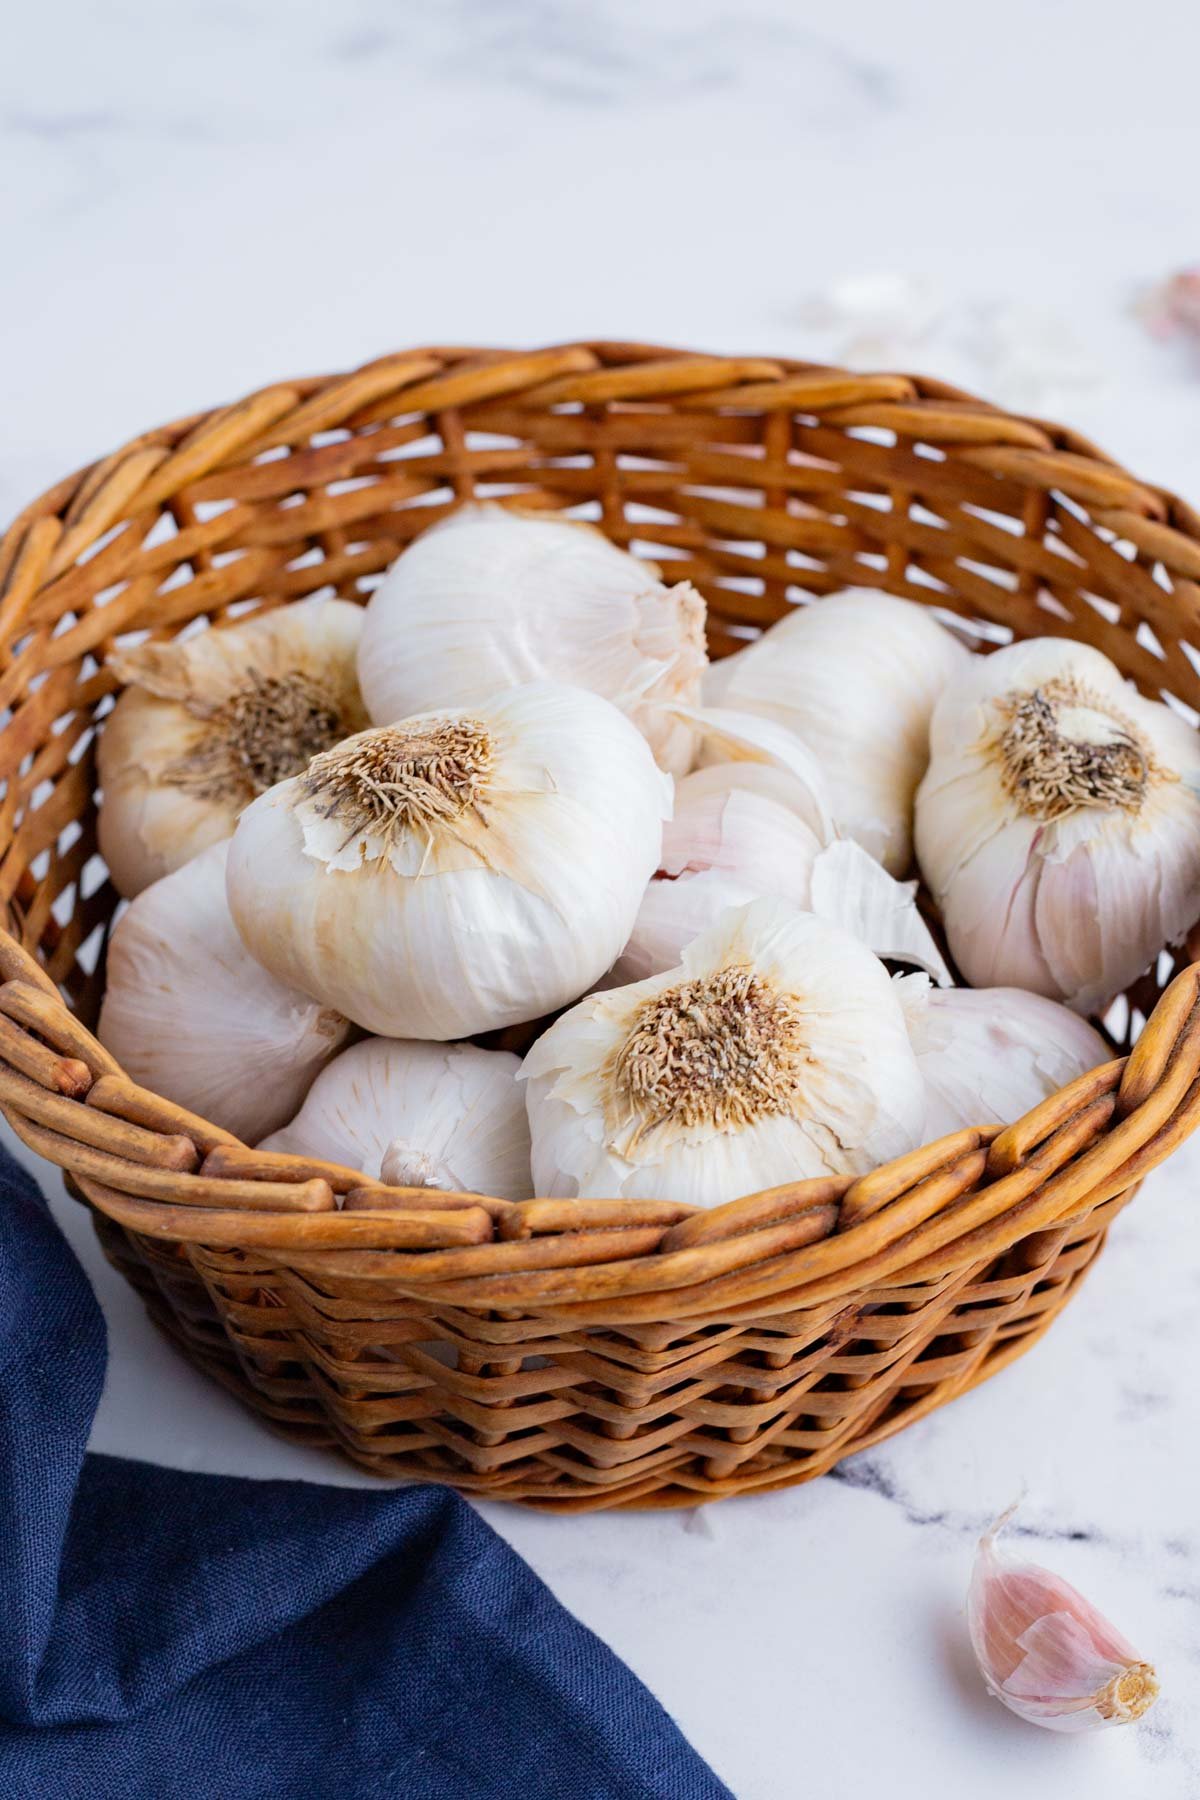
[593,1353]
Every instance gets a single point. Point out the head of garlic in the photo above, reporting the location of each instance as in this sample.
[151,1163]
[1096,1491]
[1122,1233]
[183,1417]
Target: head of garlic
[1046,1652]
[492,598]
[775,1051]
[989,1055]
[191,1015]
[207,722]
[446,1116]
[457,871]
[1059,823]
[856,676]
[733,838]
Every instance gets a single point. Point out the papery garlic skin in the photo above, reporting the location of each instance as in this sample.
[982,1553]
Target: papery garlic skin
[775,1051]
[989,1055]
[1058,825]
[458,871]
[417,1114]
[856,676]
[1046,1652]
[728,843]
[209,721]
[493,598]
[189,1013]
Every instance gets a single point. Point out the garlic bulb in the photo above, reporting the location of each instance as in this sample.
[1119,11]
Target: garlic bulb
[1059,823]
[207,722]
[856,676]
[989,1055]
[458,871]
[420,1115]
[728,843]
[490,598]
[1046,1652]
[189,1014]
[775,1051]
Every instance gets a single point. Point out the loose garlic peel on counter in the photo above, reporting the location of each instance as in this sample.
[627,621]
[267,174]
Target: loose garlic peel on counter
[856,677]
[1046,1652]
[776,1051]
[448,1116]
[208,722]
[1058,825]
[191,1015]
[492,597]
[458,871]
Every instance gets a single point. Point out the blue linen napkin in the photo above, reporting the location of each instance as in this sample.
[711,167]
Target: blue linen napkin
[168,1636]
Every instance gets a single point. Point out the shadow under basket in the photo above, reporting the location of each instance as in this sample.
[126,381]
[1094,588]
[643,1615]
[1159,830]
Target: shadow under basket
[577,1354]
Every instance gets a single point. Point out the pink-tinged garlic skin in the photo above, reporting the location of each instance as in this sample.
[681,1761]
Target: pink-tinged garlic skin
[1046,1652]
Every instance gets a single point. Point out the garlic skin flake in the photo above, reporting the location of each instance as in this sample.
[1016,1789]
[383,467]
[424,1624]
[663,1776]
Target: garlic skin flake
[775,1051]
[989,1055]
[207,722]
[856,676]
[1046,1652]
[491,598]
[189,1014]
[728,843]
[1059,823]
[458,871]
[448,1116]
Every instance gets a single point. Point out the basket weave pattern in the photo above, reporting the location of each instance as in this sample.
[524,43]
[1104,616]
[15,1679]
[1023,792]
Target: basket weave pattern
[576,1353]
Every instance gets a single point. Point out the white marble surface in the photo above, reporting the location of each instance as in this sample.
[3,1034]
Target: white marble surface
[201,197]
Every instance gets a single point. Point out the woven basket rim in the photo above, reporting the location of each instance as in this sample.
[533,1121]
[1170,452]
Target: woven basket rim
[153,1168]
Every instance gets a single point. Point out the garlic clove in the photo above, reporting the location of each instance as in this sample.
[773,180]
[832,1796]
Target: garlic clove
[989,1055]
[208,721]
[448,1116]
[781,762]
[776,1050]
[491,597]
[192,1016]
[1046,1652]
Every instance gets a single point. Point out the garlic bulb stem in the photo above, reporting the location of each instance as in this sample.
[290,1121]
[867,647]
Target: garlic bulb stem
[404,1165]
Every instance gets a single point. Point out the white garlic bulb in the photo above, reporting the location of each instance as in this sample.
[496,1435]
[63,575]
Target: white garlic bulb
[776,1051]
[856,676]
[1046,1652]
[209,721]
[189,1014]
[457,871]
[728,843]
[491,598]
[1059,823]
[421,1115]
[989,1055]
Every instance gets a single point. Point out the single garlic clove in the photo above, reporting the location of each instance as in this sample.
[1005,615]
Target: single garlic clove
[1046,1652]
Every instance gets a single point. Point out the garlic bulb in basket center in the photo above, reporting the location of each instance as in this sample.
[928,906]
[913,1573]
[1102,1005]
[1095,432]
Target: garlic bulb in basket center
[1059,823]
[208,722]
[490,597]
[856,676]
[457,871]
[775,1051]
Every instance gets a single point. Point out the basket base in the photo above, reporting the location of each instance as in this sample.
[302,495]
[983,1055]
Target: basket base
[858,1378]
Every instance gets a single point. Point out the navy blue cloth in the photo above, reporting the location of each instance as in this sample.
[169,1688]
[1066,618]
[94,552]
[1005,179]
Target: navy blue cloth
[202,1637]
